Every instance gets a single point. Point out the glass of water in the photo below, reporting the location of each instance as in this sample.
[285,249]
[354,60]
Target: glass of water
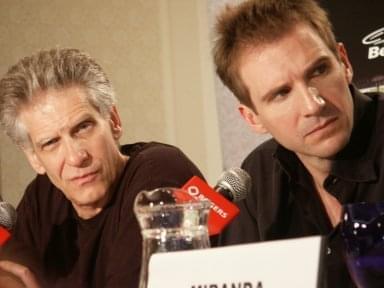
[170,220]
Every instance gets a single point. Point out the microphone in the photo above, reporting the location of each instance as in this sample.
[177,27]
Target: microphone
[233,185]
[8,217]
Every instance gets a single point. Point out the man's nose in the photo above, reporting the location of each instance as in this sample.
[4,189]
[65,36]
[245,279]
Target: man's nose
[313,102]
[76,154]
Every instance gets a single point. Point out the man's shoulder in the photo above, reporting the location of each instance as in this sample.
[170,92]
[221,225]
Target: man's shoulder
[158,156]
[263,152]
[380,99]
[262,161]
[42,190]
[40,184]
[375,94]
[154,164]
[371,97]
[43,200]
[150,150]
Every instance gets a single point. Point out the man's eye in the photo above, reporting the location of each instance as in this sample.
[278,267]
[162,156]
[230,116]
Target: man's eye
[84,126]
[320,70]
[49,144]
[282,93]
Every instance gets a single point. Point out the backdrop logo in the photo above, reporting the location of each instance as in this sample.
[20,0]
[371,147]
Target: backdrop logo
[375,40]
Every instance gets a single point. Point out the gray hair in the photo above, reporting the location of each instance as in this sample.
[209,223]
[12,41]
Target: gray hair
[57,69]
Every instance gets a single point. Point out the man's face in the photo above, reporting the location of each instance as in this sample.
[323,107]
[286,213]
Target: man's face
[74,145]
[300,93]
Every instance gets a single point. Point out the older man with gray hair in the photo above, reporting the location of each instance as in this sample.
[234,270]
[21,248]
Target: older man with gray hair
[76,226]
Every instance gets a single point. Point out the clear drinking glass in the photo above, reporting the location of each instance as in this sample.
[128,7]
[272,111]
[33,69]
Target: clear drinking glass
[362,229]
[170,220]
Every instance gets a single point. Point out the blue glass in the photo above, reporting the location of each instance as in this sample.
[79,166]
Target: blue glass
[362,229]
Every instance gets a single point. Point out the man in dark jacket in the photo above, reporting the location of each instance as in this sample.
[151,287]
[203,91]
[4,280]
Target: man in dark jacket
[294,81]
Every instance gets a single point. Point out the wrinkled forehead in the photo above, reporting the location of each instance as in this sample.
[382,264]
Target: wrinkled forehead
[53,103]
[272,64]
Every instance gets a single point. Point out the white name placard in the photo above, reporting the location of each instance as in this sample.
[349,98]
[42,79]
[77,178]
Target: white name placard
[290,263]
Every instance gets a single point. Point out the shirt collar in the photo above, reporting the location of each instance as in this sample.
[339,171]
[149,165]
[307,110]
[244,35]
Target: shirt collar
[355,161]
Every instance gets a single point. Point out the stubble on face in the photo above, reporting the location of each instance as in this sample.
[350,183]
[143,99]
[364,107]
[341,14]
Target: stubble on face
[76,147]
[278,76]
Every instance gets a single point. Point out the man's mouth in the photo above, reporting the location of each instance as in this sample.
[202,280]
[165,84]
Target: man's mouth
[321,126]
[85,178]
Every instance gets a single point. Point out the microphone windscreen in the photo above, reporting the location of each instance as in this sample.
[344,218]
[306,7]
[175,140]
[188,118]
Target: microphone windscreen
[8,215]
[237,182]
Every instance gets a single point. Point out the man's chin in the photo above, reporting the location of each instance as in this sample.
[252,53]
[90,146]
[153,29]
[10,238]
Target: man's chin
[87,196]
[330,149]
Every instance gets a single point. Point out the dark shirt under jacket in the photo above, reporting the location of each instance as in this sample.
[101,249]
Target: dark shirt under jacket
[104,251]
[283,203]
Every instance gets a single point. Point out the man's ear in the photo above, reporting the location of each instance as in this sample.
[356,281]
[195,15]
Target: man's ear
[34,161]
[345,61]
[116,127]
[252,118]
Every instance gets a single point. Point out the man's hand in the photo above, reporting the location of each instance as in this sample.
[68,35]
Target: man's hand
[16,276]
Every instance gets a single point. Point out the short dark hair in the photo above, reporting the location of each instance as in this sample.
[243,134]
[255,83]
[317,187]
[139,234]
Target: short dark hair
[257,22]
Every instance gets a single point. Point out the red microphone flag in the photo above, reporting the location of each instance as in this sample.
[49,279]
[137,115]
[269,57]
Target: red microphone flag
[4,236]
[222,211]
